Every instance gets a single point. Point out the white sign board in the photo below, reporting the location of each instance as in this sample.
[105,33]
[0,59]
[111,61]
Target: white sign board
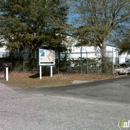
[46,57]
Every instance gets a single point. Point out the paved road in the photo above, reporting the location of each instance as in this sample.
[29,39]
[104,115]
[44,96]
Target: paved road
[91,106]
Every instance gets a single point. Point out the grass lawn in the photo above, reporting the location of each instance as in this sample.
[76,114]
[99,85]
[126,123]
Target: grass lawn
[31,80]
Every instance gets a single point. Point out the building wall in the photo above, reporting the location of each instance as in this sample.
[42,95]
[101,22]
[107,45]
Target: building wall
[112,52]
[4,52]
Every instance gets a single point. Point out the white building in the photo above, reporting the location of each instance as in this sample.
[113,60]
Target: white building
[74,52]
[4,52]
[112,52]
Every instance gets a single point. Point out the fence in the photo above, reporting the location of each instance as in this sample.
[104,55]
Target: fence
[87,62]
[74,62]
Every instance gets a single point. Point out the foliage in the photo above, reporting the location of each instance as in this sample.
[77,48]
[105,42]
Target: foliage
[32,24]
[84,65]
[63,63]
[123,42]
[95,20]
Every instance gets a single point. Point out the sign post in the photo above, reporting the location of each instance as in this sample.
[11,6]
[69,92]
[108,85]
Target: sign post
[51,71]
[6,70]
[46,58]
[7,73]
[40,72]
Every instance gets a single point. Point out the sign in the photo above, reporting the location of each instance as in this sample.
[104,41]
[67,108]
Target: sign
[46,57]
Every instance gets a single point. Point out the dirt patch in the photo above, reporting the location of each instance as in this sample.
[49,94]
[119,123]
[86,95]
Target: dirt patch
[31,80]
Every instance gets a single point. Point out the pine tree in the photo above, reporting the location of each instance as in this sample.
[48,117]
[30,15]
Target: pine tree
[33,23]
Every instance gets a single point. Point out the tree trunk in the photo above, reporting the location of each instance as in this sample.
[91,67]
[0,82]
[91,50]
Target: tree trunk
[103,54]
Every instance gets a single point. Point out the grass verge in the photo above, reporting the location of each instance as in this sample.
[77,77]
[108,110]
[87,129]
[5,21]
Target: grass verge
[31,80]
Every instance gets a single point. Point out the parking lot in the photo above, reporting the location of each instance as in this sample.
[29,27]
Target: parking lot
[100,105]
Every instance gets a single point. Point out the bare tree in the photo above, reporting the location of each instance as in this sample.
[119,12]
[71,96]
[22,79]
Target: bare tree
[95,20]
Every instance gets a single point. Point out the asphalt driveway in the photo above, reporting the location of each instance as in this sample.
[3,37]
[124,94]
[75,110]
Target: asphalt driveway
[100,105]
[114,90]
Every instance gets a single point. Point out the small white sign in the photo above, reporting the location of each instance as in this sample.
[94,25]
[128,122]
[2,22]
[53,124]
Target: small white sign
[46,57]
